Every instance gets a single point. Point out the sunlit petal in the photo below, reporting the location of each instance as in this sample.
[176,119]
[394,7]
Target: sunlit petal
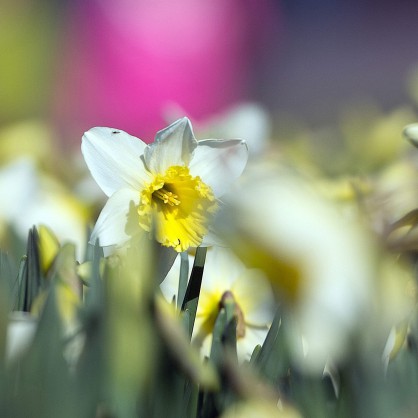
[112,227]
[173,145]
[219,162]
[114,159]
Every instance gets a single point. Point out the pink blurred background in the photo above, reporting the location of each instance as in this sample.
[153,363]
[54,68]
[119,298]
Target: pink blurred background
[131,64]
[134,64]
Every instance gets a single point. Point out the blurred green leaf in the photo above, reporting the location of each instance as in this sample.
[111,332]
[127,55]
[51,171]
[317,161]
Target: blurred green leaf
[90,370]
[8,270]
[29,278]
[272,360]
[39,385]
[19,287]
[7,277]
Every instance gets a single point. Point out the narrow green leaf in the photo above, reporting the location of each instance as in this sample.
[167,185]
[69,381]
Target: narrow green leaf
[273,358]
[255,354]
[8,270]
[185,319]
[191,395]
[223,344]
[216,349]
[5,301]
[32,282]
[191,297]
[19,286]
[183,278]
[229,335]
[270,340]
[94,297]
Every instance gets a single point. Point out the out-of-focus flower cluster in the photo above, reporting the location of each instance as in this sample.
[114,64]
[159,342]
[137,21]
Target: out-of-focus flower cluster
[270,271]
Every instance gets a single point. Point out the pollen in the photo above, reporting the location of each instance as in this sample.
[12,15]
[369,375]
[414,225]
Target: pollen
[177,208]
[166,196]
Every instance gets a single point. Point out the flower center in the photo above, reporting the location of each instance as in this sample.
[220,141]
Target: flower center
[166,196]
[177,207]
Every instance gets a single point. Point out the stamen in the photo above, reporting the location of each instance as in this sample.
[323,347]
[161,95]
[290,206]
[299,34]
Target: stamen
[167,197]
[177,207]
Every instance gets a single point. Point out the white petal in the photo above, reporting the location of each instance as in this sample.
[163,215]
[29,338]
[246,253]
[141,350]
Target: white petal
[20,332]
[246,120]
[212,238]
[169,286]
[410,132]
[219,162]
[112,227]
[246,345]
[173,145]
[114,159]
[224,271]
[57,211]
[221,270]
[19,186]
[164,259]
[254,294]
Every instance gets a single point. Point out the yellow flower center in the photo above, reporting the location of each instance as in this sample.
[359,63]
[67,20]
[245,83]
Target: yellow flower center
[177,207]
[166,196]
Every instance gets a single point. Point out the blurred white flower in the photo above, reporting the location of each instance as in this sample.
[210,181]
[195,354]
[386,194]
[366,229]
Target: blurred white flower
[34,199]
[320,264]
[20,332]
[18,183]
[225,276]
[247,120]
[410,132]
[169,187]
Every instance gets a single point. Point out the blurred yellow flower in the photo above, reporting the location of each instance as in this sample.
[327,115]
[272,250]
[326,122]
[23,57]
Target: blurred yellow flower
[48,247]
[28,138]
[256,408]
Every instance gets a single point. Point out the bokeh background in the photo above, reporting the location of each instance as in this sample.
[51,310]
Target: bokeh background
[320,89]
[136,64]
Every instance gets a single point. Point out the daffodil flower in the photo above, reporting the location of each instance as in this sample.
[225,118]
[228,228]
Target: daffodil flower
[169,188]
[225,276]
[319,262]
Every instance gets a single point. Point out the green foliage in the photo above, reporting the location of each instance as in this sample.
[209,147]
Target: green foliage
[118,351]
